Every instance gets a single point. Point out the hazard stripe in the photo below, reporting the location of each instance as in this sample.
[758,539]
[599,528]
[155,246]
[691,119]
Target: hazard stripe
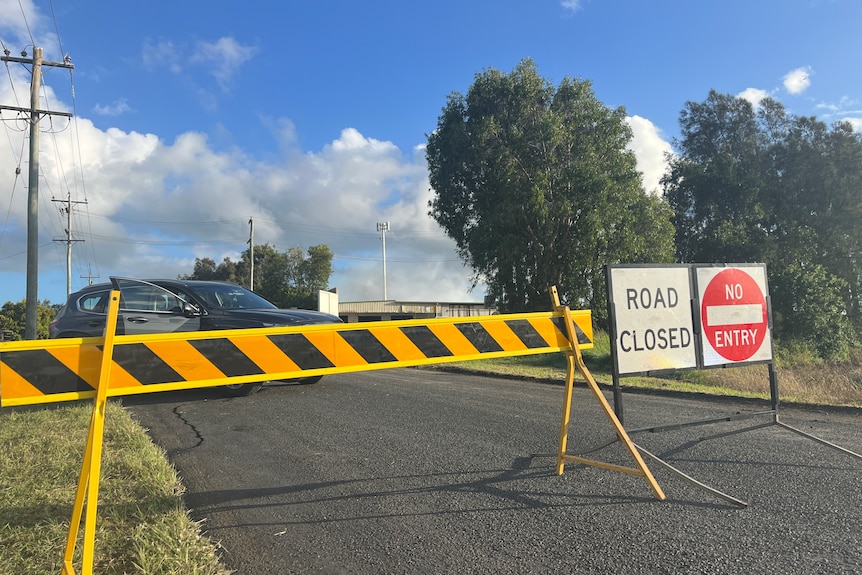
[44,372]
[368,346]
[60,370]
[428,343]
[301,351]
[527,334]
[227,357]
[583,338]
[144,365]
[479,337]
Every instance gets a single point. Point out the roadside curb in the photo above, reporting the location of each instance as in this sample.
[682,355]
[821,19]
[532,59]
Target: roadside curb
[813,407]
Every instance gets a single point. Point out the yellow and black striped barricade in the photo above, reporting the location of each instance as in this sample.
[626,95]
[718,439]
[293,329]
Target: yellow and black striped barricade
[69,369]
[34,372]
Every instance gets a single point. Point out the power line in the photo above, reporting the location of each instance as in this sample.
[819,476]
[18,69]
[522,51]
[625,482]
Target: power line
[26,24]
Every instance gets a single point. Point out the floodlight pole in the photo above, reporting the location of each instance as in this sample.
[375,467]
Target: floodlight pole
[251,254]
[383,227]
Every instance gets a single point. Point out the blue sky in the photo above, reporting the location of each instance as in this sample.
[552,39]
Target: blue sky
[309,117]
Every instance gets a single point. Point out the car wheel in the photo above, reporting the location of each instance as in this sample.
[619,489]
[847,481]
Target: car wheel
[241,389]
[310,380]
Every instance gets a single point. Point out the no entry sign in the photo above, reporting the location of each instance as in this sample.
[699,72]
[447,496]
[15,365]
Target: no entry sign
[734,315]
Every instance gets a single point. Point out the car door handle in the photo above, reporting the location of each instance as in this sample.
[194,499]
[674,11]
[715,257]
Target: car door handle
[137,319]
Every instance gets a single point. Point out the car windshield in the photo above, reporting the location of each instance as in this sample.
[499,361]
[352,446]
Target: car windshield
[217,296]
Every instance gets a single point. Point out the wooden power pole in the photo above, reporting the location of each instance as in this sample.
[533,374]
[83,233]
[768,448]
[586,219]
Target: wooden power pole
[32,294]
[68,240]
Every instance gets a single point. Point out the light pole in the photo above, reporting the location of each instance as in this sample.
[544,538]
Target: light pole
[383,227]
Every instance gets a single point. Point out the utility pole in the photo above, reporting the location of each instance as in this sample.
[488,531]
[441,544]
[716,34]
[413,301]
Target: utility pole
[32,294]
[68,240]
[89,277]
[251,254]
[383,227]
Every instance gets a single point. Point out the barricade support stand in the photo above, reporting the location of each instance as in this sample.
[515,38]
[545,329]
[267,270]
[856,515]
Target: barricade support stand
[574,361]
[87,496]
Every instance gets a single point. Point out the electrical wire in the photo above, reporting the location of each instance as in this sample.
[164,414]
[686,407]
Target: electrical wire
[56,27]
[9,74]
[12,195]
[26,24]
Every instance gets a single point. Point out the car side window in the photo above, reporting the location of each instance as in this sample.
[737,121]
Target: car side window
[96,302]
[146,298]
[183,295]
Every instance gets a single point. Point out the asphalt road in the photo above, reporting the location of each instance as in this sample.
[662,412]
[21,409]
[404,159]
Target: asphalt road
[415,471]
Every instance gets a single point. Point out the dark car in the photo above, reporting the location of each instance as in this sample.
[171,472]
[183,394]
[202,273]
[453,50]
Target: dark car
[160,306]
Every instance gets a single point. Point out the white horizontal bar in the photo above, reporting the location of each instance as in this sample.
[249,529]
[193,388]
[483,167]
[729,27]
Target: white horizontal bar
[734,314]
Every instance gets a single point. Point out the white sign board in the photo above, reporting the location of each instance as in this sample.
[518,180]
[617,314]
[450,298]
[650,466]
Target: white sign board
[651,310]
[734,315]
[327,302]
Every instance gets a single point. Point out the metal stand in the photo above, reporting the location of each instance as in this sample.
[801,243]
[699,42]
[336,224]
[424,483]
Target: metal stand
[575,361]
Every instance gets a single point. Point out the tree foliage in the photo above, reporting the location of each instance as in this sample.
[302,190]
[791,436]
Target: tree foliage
[764,185]
[12,318]
[537,187]
[287,279]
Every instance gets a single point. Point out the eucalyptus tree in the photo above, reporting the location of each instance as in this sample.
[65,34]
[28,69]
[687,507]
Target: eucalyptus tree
[537,186]
[763,185]
[287,279]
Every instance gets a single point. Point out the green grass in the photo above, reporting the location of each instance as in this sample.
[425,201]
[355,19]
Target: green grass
[801,378]
[142,525]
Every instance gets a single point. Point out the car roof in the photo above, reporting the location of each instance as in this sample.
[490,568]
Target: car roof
[157,281]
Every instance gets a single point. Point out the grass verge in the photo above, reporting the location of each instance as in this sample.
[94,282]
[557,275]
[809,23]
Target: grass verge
[799,381]
[142,525]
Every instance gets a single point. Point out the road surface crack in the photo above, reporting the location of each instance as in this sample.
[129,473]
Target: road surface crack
[197,433]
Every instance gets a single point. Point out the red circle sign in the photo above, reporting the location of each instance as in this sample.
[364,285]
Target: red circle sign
[734,316]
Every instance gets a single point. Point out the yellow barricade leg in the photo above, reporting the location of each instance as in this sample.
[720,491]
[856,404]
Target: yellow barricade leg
[575,359]
[88,483]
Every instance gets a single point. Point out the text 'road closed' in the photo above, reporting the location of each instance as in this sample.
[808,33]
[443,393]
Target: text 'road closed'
[651,309]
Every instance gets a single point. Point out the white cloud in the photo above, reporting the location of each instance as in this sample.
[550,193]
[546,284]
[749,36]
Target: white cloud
[115,108]
[161,54]
[224,58]
[846,110]
[571,5]
[855,122]
[753,95]
[650,149]
[17,19]
[798,80]
[153,206]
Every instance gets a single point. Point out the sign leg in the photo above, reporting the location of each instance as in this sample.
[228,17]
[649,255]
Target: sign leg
[567,412]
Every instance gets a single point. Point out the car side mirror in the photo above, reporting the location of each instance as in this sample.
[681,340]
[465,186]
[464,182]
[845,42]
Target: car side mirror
[191,310]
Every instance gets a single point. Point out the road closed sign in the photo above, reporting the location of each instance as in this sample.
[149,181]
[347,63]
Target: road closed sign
[652,316]
[734,315]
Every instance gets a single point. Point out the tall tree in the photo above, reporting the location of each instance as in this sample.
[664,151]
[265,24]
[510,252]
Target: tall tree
[715,182]
[287,279]
[12,318]
[537,187]
[763,185]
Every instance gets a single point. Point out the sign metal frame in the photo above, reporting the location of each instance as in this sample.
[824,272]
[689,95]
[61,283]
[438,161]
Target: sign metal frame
[697,273]
[700,276]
